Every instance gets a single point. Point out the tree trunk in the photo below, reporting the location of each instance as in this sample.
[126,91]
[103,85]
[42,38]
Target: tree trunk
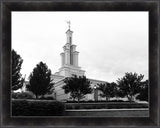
[78,100]
[36,96]
[130,98]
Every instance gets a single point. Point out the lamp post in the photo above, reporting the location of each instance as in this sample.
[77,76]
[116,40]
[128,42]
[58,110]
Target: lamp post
[95,93]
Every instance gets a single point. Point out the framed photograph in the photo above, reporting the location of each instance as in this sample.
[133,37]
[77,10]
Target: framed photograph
[80,63]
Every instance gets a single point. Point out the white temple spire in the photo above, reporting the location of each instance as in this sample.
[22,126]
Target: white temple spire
[69,57]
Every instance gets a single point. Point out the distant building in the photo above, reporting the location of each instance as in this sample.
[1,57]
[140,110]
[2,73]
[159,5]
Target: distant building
[70,67]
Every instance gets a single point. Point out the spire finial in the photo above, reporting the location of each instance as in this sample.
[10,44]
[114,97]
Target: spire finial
[69,23]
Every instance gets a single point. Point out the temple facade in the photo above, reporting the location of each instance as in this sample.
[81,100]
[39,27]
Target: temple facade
[70,67]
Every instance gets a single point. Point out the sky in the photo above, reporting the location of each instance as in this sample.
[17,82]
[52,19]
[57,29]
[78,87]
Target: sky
[109,43]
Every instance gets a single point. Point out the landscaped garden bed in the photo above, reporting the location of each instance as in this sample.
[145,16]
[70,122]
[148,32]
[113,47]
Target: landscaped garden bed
[37,108]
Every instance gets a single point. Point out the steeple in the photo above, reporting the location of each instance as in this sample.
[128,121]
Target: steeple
[69,33]
[69,57]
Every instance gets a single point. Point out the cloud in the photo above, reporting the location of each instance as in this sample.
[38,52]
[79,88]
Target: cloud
[110,43]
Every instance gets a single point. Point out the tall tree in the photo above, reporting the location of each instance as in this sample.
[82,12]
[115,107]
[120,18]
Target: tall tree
[129,85]
[108,90]
[143,95]
[40,80]
[17,80]
[78,87]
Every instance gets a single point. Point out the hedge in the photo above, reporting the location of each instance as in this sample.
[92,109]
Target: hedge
[99,101]
[37,108]
[22,95]
[111,105]
[47,98]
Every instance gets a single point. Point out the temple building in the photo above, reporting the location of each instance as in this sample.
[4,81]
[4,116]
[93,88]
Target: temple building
[70,67]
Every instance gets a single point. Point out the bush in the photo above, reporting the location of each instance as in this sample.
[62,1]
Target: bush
[107,105]
[100,101]
[37,108]
[22,95]
[47,98]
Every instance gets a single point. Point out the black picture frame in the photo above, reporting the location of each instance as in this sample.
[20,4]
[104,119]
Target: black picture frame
[153,6]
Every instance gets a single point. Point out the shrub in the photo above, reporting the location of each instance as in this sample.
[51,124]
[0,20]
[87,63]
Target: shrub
[47,98]
[100,101]
[107,105]
[22,95]
[37,108]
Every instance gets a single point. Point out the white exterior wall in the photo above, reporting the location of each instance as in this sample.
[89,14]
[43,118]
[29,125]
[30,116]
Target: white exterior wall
[67,57]
[73,47]
[60,95]
[62,59]
[76,58]
[69,39]
[69,71]
[69,36]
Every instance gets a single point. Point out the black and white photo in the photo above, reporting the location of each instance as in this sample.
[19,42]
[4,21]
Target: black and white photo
[80,63]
